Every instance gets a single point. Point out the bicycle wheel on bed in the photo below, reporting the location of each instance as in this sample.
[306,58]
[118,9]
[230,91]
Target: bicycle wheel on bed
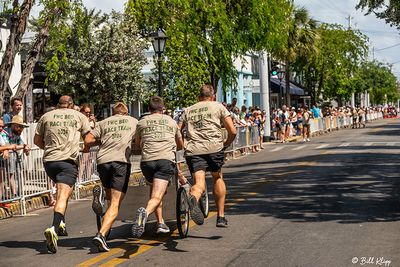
[182,212]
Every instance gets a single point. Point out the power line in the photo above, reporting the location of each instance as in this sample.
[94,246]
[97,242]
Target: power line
[380,32]
[387,47]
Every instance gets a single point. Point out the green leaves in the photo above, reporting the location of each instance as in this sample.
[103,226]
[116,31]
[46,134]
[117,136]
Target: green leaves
[330,71]
[377,79]
[205,36]
[97,58]
[387,10]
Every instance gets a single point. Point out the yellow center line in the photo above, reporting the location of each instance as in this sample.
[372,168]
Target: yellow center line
[106,255]
[134,252]
[129,254]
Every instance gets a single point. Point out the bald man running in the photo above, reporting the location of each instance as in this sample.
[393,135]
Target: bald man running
[58,132]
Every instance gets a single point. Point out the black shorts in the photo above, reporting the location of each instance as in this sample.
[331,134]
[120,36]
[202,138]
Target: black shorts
[160,169]
[209,162]
[115,175]
[64,171]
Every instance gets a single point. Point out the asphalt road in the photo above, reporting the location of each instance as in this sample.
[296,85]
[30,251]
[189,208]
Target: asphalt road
[331,202]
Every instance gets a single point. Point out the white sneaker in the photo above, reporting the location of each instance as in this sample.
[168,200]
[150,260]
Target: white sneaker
[162,228]
[304,140]
[308,140]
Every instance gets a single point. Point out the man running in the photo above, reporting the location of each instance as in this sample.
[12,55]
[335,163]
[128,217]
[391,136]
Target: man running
[159,137]
[204,150]
[58,132]
[114,135]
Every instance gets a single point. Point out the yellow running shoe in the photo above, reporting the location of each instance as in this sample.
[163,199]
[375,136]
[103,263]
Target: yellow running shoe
[51,239]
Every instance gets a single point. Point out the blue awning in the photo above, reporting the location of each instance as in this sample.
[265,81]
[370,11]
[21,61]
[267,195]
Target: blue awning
[294,89]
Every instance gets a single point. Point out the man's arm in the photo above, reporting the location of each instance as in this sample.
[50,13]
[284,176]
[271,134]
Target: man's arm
[89,141]
[179,142]
[136,149]
[181,126]
[231,129]
[8,147]
[38,140]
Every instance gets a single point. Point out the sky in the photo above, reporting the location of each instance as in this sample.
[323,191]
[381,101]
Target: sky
[384,41]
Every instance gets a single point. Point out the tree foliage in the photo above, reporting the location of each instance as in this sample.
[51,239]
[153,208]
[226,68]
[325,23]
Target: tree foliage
[330,71]
[97,58]
[17,14]
[383,9]
[301,42]
[18,19]
[377,79]
[205,36]
[53,11]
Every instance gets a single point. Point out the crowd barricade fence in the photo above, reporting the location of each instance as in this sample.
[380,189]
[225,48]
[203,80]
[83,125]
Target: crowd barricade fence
[23,176]
[337,122]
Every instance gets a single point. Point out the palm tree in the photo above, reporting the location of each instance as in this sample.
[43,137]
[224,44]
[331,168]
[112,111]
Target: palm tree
[302,37]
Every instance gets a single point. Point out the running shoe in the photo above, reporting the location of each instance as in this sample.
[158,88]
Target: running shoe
[162,228]
[98,200]
[62,230]
[140,223]
[100,241]
[51,239]
[195,211]
[222,222]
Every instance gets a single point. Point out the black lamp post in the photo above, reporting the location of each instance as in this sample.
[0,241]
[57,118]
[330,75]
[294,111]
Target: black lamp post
[159,39]
[280,74]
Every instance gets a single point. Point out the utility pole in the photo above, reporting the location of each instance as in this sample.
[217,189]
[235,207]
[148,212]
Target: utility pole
[264,93]
[373,53]
[349,18]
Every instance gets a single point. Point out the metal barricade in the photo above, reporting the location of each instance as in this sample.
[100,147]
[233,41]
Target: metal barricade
[10,186]
[246,137]
[24,176]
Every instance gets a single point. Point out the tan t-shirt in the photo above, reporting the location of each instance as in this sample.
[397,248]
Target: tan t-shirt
[115,134]
[61,130]
[157,133]
[204,122]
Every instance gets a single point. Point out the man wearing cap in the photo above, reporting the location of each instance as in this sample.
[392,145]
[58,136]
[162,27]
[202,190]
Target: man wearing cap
[58,132]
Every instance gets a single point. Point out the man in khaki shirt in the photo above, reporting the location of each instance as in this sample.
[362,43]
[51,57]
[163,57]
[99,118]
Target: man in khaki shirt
[204,149]
[158,137]
[114,135]
[58,132]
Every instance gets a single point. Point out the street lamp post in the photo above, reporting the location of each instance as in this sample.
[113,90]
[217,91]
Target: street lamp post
[280,77]
[159,39]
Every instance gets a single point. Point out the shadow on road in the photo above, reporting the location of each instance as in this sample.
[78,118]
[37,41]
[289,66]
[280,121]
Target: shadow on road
[78,243]
[344,187]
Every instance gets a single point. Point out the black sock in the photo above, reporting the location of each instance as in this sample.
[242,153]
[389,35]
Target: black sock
[57,218]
